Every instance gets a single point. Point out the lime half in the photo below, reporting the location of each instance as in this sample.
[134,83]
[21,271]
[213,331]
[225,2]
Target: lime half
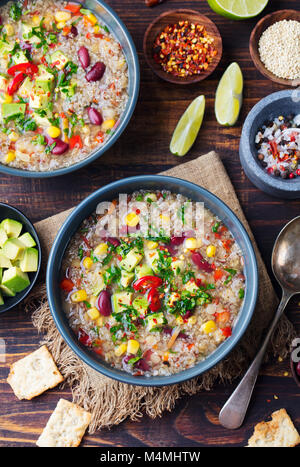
[238,9]
[188,127]
[229,96]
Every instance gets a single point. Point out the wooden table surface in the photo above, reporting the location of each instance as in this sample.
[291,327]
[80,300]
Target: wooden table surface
[144,149]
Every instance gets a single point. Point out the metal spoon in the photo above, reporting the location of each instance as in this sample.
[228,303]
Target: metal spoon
[286,269]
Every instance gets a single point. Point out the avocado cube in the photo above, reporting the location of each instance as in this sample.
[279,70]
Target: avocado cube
[13,248]
[143,270]
[98,283]
[26,33]
[68,91]
[20,57]
[12,228]
[59,59]
[177,265]
[1,299]
[126,278]
[12,110]
[41,121]
[119,299]
[26,88]
[5,48]
[4,262]
[152,258]
[29,262]
[27,239]
[191,287]
[3,236]
[140,303]
[39,101]
[131,260]
[44,80]
[6,291]
[15,279]
[155,320]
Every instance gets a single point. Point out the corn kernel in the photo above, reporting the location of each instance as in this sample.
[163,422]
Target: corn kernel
[92,19]
[100,249]
[96,28]
[53,131]
[62,16]
[151,196]
[10,156]
[87,262]
[7,99]
[36,19]
[208,327]
[60,25]
[179,320]
[132,219]
[133,346]
[151,245]
[108,124]
[79,296]
[100,321]
[9,29]
[13,136]
[192,320]
[211,251]
[93,313]
[165,218]
[120,349]
[191,243]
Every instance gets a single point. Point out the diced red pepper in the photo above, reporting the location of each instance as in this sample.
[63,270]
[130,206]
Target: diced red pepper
[84,338]
[223,317]
[153,300]
[73,7]
[227,331]
[15,83]
[147,282]
[66,285]
[227,244]
[27,68]
[75,142]
[218,274]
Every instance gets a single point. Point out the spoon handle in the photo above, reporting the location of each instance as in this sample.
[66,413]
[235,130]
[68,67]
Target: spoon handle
[233,412]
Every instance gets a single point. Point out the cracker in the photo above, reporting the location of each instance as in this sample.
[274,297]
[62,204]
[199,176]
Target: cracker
[65,427]
[34,374]
[279,432]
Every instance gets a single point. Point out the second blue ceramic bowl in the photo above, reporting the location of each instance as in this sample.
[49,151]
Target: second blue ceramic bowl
[148,183]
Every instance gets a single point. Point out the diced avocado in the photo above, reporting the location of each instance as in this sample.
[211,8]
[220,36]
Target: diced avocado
[3,236]
[131,260]
[20,57]
[6,291]
[26,88]
[41,121]
[1,299]
[15,279]
[119,299]
[140,303]
[5,48]
[190,286]
[44,80]
[98,283]
[152,258]
[39,101]
[12,228]
[26,33]
[69,91]
[27,239]
[126,278]
[4,262]
[143,270]
[12,110]
[154,320]
[13,248]
[29,262]
[59,59]
[3,83]
[177,265]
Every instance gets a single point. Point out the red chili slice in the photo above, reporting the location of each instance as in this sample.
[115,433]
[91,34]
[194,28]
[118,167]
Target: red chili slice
[153,300]
[273,146]
[15,83]
[27,68]
[66,285]
[147,282]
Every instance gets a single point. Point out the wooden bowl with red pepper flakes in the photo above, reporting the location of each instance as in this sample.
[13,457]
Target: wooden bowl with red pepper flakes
[182,46]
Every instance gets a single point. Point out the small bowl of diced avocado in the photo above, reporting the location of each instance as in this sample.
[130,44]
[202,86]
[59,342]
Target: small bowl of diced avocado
[20,256]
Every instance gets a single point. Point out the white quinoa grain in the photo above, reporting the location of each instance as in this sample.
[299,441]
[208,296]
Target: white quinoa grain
[279,49]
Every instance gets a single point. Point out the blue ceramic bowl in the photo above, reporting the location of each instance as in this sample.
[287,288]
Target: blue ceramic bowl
[278,103]
[119,30]
[128,185]
[12,213]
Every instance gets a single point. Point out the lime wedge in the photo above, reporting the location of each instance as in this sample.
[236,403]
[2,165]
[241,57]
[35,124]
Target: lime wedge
[188,127]
[238,9]
[229,96]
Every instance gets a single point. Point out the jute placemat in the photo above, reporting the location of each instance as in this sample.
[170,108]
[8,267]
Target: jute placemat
[110,401]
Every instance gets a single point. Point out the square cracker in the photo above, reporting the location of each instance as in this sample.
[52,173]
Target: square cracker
[65,427]
[279,432]
[34,374]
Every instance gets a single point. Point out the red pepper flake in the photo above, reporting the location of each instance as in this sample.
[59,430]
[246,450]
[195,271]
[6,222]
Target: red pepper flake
[184,49]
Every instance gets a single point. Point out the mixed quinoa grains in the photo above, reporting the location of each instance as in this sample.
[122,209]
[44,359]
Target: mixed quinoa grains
[153,304]
[278,146]
[184,49]
[279,49]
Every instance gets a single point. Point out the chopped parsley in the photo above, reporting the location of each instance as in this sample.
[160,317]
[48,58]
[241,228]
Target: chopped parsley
[15,11]
[232,272]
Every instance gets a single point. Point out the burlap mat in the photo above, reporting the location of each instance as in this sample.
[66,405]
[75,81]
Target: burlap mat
[110,401]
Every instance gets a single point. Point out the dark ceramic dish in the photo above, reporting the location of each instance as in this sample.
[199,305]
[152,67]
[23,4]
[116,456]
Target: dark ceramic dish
[148,183]
[13,213]
[119,30]
[279,103]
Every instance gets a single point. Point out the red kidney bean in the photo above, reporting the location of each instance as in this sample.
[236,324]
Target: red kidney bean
[84,57]
[142,365]
[201,263]
[177,240]
[94,116]
[171,249]
[104,303]
[182,335]
[114,241]
[298,369]
[187,314]
[74,31]
[96,72]
[167,330]
[60,146]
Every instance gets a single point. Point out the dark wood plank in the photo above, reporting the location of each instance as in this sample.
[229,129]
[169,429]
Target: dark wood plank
[143,148]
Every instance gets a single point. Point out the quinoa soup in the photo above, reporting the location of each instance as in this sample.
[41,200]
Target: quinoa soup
[153,303]
[63,84]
